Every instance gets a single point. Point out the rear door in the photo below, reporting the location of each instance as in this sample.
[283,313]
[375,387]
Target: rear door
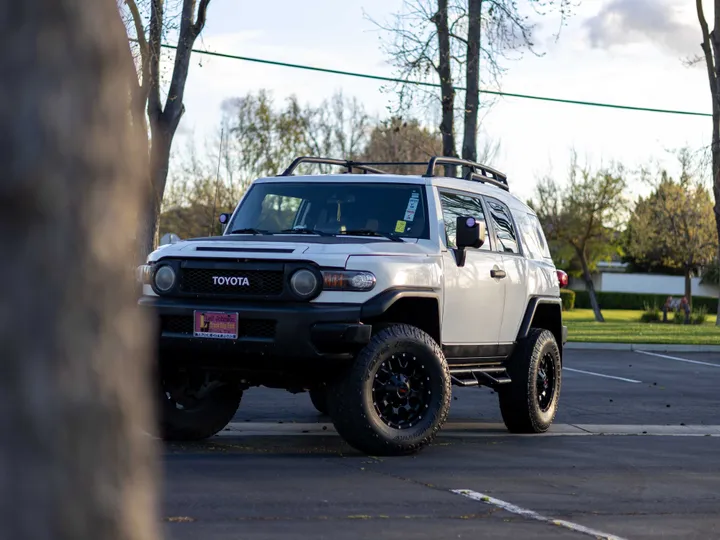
[509,247]
[474,300]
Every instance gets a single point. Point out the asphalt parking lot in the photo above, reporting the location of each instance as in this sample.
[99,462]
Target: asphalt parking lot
[634,453]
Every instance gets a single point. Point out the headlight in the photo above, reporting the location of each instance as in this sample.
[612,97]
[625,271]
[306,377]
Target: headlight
[143,274]
[339,280]
[164,278]
[304,283]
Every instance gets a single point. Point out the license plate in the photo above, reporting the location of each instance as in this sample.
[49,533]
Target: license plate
[216,325]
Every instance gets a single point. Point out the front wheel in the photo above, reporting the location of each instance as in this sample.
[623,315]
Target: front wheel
[318,397]
[529,403]
[396,396]
[194,407]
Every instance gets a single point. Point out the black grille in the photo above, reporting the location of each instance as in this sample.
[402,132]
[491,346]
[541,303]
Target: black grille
[177,324]
[250,328]
[259,282]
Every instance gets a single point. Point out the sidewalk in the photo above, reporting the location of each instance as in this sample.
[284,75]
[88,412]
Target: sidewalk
[570,345]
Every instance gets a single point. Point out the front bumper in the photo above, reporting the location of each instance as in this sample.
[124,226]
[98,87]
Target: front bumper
[564,335]
[276,330]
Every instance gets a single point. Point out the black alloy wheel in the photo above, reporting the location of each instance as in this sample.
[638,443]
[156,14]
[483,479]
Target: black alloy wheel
[400,391]
[545,382]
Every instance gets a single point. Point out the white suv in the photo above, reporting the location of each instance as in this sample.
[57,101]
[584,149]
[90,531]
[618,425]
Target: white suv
[375,292]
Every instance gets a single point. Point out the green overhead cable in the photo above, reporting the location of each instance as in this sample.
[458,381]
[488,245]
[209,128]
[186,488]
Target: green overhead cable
[436,85]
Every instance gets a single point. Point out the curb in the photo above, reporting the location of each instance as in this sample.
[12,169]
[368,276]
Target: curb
[649,347]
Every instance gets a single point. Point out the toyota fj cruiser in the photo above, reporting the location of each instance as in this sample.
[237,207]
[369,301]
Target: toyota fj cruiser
[375,292]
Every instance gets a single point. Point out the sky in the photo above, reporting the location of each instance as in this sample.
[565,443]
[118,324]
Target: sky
[618,51]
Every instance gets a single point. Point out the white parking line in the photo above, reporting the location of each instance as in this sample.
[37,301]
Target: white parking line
[679,359]
[530,514]
[601,375]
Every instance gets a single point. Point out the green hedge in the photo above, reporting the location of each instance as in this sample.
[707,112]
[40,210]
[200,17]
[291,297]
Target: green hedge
[568,299]
[612,300]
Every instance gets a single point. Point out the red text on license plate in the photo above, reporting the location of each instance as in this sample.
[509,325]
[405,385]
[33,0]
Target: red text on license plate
[215,324]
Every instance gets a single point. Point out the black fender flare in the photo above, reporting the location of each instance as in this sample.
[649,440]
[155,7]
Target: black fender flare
[382,302]
[532,306]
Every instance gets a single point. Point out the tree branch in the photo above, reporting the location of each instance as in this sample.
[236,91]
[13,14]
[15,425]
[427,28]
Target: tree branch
[154,106]
[201,17]
[144,78]
[707,50]
[174,107]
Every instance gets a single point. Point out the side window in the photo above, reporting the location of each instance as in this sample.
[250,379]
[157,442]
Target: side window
[532,236]
[504,229]
[455,206]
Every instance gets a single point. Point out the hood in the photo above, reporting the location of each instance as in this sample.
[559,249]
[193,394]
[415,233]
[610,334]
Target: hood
[328,251]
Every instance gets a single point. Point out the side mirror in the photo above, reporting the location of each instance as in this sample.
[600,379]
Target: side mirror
[224,218]
[469,233]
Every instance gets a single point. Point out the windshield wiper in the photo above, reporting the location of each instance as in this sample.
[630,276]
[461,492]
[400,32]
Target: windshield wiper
[368,232]
[250,231]
[304,230]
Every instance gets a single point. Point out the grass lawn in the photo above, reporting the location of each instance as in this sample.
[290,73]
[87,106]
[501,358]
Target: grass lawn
[623,326]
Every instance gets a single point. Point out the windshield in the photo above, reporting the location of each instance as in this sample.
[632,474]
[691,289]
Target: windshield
[391,210]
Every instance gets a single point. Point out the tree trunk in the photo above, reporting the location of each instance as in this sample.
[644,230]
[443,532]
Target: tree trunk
[447,91]
[472,80]
[590,286]
[688,286]
[159,167]
[74,462]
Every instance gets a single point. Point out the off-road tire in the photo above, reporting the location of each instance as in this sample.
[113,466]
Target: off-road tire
[350,398]
[215,411]
[519,405]
[318,397]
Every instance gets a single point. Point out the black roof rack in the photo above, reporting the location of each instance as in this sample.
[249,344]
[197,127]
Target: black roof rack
[349,165]
[476,172]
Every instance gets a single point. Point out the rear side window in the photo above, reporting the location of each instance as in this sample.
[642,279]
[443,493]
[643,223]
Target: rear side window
[504,228]
[532,236]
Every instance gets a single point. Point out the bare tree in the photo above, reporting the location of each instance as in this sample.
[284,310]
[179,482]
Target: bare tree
[711,51]
[74,462]
[448,41]
[164,118]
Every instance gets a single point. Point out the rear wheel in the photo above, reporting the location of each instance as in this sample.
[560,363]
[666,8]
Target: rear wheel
[194,406]
[529,403]
[396,396]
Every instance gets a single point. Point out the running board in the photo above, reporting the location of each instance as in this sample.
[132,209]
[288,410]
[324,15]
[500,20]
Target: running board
[492,376]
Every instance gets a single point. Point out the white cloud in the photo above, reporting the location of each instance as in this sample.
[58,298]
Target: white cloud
[626,22]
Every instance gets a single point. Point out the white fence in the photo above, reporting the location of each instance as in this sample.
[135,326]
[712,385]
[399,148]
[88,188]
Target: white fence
[645,284]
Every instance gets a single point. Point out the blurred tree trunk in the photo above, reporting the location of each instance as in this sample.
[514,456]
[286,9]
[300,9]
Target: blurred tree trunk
[74,461]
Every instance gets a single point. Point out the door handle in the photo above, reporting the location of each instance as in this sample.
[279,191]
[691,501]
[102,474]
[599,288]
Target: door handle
[497,273]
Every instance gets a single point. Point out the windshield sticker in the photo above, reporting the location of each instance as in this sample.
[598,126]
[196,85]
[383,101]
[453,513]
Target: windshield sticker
[412,207]
[400,226]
